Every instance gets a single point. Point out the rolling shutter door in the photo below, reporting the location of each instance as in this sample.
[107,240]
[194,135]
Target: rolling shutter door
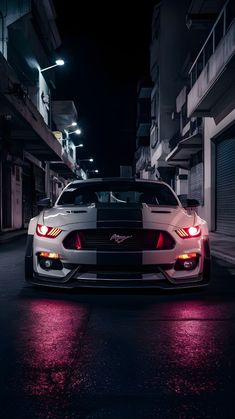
[196,183]
[225,187]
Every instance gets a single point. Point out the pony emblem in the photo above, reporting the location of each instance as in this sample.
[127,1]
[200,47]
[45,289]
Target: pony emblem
[119,239]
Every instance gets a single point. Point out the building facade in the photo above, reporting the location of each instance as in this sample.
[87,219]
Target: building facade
[192,134]
[29,140]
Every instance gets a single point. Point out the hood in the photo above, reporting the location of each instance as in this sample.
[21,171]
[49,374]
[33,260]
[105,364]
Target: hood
[174,216]
[61,216]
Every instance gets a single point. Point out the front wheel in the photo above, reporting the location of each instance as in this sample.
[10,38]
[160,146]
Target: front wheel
[207,270]
[28,266]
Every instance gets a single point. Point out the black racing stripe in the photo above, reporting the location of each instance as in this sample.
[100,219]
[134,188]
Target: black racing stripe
[122,258]
[120,224]
[119,214]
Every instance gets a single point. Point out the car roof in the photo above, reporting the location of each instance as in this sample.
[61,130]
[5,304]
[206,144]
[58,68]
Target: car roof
[115,179]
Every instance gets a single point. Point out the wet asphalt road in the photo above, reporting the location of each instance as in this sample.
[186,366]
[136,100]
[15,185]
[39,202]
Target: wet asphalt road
[115,355]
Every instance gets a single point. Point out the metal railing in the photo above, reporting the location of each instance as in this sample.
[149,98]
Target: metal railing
[218,31]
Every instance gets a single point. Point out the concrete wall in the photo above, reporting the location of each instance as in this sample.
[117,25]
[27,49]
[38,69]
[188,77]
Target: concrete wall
[211,132]
[11,10]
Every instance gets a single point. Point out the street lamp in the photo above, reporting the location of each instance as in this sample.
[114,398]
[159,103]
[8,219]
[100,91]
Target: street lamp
[79,145]
[73,124]
[77,131]
[91,160]
[93,171]
[57,63]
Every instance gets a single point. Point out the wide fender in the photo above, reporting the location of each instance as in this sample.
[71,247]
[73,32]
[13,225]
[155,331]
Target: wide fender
[33,223]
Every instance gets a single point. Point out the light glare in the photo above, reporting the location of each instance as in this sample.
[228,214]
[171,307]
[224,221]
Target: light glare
[59,62]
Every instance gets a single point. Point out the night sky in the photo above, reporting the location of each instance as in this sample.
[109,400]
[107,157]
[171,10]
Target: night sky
[106,49]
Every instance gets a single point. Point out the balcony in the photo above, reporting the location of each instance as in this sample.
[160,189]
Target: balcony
[28,128]
[185,144]
[212,73]
[201,14]
[182,153]
[64,113]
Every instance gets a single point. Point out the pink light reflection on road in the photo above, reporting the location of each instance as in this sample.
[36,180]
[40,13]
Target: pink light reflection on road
[190,348]
[194,350]
[49,341]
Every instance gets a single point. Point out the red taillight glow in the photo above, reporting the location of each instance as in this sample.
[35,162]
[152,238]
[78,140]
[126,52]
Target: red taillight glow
[189,232]
[45,231]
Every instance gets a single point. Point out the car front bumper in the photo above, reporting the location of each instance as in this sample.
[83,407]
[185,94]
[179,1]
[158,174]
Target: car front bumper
[159,279]
[149,269]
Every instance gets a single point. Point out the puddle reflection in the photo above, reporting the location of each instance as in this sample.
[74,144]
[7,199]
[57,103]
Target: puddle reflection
[50,339]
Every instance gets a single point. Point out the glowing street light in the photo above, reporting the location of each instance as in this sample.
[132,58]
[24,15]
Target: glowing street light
[73,124]
[77,131]
[93,171]
[58,62]
[91,160]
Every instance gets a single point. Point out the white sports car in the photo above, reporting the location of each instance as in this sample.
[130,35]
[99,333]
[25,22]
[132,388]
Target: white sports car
[118,232]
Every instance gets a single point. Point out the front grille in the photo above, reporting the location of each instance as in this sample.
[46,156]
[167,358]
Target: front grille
[113,240]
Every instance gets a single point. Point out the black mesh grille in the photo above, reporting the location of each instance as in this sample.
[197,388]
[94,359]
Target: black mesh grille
[118,239]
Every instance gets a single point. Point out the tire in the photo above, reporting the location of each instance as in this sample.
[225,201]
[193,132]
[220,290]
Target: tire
[207,270]
[28,267]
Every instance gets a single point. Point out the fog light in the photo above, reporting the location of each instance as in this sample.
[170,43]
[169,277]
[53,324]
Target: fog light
[186,261]
[50,260]
[189,264]
[46,263]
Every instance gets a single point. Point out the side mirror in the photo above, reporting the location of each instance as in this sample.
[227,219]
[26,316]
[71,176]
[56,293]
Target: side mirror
[192,203]
[187,202]
[44,203]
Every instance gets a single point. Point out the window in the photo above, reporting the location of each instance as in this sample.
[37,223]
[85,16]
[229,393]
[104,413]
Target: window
[118,193]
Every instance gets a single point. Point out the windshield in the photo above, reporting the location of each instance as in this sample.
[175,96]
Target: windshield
[118,193]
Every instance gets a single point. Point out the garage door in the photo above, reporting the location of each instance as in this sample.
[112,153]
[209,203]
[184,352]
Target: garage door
[225,187]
